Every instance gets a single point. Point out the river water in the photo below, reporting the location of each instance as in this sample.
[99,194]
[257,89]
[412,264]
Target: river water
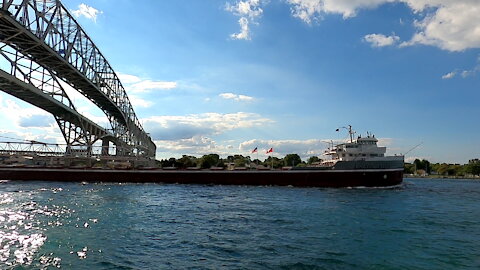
[423,224]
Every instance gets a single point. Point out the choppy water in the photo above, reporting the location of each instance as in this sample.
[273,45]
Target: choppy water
[425,224]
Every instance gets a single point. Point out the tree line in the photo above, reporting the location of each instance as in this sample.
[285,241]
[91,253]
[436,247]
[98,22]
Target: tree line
[424,167]
[418,167]
[214,160]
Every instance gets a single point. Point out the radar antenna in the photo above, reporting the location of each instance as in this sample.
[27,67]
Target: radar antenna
[350,132]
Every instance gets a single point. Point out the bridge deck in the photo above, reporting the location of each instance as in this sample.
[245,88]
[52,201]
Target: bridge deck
[34,96]
[41,53]
[49,35]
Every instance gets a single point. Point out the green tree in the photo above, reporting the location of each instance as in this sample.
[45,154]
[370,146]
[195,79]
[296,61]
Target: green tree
[208,161]
[171,162]
[187,161]
[460,170]
[257,161]
[313,159]
[277,163]
[423,165]
[409,168]
[473,167]
[452,170]
[292,160]
[441,169]
[448,169]
[241,161]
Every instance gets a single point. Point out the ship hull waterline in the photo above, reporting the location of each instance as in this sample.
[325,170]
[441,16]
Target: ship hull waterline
[298,178]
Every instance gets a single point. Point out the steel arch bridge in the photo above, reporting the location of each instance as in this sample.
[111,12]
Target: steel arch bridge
[42,47]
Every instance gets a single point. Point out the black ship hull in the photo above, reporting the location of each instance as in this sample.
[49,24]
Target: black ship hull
[298,178]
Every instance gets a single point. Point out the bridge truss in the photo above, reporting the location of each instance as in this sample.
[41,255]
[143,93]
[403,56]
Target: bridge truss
[42,48]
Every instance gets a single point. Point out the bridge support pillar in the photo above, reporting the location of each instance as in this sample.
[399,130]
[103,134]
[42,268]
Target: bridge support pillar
[119,151]
[105,146]
[68,150]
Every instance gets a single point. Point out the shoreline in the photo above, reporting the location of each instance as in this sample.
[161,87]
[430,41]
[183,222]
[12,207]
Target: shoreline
[442,177]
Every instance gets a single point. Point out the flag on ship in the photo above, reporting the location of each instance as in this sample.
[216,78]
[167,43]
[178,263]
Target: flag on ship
[255,150]
[270,150]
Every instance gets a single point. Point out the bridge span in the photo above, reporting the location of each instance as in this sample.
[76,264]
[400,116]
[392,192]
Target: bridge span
[42,47]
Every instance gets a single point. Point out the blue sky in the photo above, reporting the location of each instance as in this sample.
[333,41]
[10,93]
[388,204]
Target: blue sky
[226,76]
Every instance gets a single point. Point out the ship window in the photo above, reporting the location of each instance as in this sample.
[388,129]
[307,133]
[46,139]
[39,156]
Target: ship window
[350,155]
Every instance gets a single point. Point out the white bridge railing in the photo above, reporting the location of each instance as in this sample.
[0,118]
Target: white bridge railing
[35,148]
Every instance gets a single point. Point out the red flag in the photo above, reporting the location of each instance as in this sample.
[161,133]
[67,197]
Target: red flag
[270,150]
[255,150]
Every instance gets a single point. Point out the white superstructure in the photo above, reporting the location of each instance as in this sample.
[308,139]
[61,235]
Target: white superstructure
[361,149]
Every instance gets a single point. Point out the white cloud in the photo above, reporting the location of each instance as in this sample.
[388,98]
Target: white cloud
[465,73]
[385,141]
[449,75]
[29,117]
[228,95]
[248,11]
[28,122]
[306,10]
[36,121]
[244,30]
[247,8]
[312,10]
[473,71]
[452,25]
[128,78]
[421,5]
[304,148]
[207,124]
[87,12]
[139,102]
[196,146]
[135,84]
[201,145]
[191,134]
[27,136]
[236,97]
[244,98]
[379,40]
[148,85]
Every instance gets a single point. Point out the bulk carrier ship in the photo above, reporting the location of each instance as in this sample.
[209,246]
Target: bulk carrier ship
[355,163]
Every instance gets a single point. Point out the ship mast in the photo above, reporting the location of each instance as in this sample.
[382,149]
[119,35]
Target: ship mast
[350,132]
